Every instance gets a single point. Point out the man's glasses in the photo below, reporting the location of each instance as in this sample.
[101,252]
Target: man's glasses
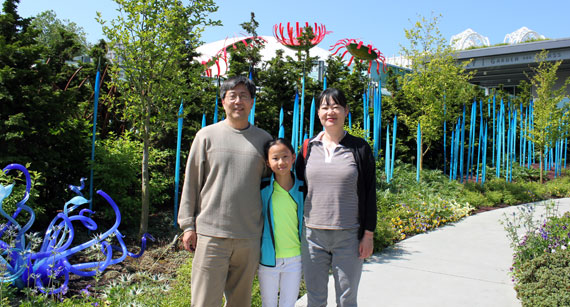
[232,97]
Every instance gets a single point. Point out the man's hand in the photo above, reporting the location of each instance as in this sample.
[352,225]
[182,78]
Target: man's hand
[189,240]
[366,246]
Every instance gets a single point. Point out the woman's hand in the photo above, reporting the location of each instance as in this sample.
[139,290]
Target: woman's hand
[366,246]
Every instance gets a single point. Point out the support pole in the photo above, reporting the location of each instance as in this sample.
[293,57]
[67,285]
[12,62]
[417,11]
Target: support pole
[177,167]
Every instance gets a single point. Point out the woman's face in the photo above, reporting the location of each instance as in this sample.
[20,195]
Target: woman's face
[332,114]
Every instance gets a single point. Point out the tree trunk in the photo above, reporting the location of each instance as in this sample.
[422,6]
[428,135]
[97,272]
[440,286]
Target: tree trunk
[424,152]
[145,173]
[541,159]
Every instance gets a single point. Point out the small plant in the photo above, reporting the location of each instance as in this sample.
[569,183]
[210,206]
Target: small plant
[545,280]
[407,207]
[7,292]
[541,257]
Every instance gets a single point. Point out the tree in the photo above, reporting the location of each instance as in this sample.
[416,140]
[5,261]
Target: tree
[152,39]
[523,94]
[245,56]
[52,32]
[436,79]
[278,84]
[41,123]
[391,105]
[550,120]
[353,83]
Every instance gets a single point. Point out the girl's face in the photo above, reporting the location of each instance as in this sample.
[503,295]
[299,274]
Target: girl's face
[280,159]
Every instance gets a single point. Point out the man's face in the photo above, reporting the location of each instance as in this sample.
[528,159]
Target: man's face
[237,103]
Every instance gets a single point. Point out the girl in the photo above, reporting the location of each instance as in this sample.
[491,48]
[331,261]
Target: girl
[282,200]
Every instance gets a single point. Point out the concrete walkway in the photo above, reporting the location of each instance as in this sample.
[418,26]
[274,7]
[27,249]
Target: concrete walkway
[463,264]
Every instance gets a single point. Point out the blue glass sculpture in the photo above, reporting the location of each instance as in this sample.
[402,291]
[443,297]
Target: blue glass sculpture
[23,267]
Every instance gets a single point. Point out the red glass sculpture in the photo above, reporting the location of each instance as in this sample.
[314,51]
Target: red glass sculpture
[361,52]
[290,38]
[222,54]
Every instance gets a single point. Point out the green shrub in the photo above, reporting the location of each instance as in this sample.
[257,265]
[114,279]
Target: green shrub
[545,280]
[407,207]
[386,233]
[358,131]
[18,191]
[524,174]
[117,171]
[559,187]
[497,191]
[552,235]
[7,294]
[518,174]
[475,198]
[541,261]
[494,197]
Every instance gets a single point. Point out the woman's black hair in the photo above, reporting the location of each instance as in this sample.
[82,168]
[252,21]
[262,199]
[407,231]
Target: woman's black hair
[276,141]
[332,93]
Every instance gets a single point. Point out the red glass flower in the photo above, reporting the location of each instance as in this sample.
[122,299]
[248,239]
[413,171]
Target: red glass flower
[290,39]
[214,60]
[361,52]
[222,54]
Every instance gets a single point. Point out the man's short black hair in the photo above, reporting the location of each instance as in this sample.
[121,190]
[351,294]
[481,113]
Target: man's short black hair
[232,82]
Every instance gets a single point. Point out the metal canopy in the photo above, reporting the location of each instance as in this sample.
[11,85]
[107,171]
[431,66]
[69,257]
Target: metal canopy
[508,64]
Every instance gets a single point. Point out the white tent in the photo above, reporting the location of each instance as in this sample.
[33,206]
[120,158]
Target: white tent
[208,51]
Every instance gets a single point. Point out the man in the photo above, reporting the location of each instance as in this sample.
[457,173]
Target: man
[220,208]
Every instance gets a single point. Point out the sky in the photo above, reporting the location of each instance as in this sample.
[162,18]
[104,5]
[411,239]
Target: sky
[377,22]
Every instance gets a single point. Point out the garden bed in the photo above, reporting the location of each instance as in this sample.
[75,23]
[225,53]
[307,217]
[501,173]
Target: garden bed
[161,277]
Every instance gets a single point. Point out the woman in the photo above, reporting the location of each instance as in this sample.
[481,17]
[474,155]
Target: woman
[340,206]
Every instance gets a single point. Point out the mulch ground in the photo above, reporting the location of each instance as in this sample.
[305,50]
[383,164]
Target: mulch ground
[161,257]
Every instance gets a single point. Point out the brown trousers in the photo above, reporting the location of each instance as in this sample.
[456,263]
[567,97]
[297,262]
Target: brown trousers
[223,266]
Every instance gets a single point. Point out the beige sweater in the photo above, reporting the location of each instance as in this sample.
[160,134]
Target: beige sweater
[220,196]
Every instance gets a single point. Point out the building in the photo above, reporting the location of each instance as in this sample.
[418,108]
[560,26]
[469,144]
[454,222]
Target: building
[507,65]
